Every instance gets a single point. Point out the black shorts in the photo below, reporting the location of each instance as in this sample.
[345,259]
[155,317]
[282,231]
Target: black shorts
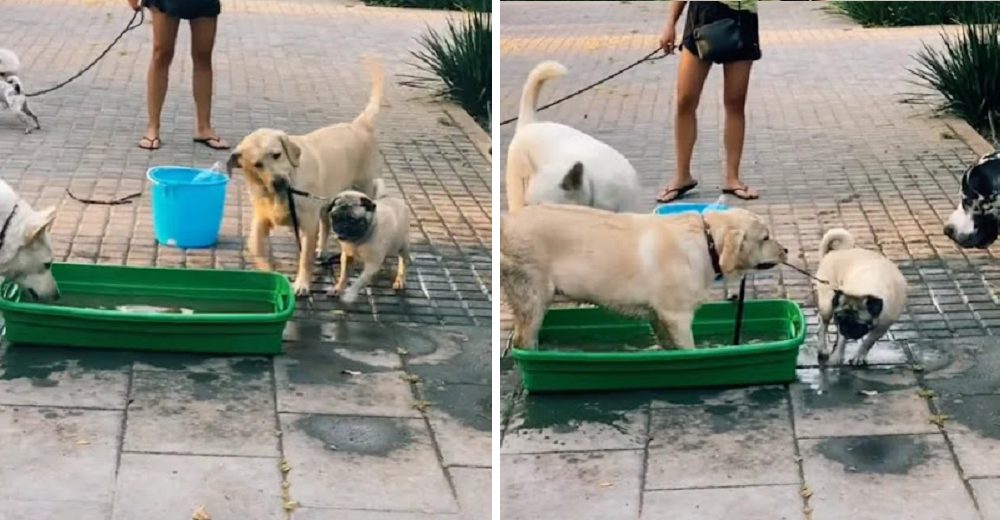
[703,13]
[186,9]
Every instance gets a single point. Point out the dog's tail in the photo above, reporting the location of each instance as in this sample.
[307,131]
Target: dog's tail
[367,116]
[9,63]
[542,72]
[837,238]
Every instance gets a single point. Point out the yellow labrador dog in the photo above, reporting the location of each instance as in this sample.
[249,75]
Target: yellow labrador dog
[321,163]
[633,263]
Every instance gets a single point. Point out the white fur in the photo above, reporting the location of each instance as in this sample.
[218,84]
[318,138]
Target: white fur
[962,222]
[9,62]
[542,153]
[25,254]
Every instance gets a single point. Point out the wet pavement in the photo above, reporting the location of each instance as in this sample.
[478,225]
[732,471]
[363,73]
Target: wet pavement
[378,410]
[915,435]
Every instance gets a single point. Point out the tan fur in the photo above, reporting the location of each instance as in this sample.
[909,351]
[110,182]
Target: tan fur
[856,272]
[628,262]
[390,237]
[323,162]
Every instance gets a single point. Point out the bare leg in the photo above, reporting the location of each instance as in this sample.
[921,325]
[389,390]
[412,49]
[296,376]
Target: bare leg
[678,325]
[861,356]
[345,269]
[202,44]
[735,84]
[164,38]
[260,231]
[307,259]
[691,74]
[367,274]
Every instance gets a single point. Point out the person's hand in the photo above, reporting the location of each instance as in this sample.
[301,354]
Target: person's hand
[135,4]
[668,38]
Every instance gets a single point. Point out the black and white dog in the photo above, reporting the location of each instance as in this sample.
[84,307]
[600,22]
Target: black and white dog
[12,95]
[976,221]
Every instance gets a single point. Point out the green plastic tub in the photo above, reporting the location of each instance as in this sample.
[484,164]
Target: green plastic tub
[234,312]
[595,349]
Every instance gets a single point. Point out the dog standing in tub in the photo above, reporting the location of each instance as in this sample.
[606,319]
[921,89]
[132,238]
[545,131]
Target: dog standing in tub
[25,254]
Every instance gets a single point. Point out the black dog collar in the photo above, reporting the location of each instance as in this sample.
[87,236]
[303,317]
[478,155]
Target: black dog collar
[6,226]
[713,252]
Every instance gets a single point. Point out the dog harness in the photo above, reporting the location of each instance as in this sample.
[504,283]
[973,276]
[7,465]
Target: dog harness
[6,226]
[713,252]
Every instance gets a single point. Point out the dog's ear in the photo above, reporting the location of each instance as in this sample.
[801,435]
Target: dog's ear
[292,150]
[874,305]
[369,204]
[573,180]
[39,224]
[233,162]
[732,244]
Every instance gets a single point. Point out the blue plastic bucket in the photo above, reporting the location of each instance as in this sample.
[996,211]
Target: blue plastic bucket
[187,205]
[676,208]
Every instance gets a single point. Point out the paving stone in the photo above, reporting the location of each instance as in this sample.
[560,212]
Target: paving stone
[391,462]
[347,514]
[834,403]
[202,413]
[898,466]
[987,491]
[50,376]
[732,438]
[173,486]
[744,502]
[576,422]
[80,510]
[582,485]
[474,489]
[57,454]
[461,417]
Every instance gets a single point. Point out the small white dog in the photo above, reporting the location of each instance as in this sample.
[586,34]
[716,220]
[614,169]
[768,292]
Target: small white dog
[865,295]
[553,163]
[25,255]
[12,95]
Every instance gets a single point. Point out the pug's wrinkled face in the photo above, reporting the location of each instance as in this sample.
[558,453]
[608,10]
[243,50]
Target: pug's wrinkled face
[855,315]
[351,215]
[268,159]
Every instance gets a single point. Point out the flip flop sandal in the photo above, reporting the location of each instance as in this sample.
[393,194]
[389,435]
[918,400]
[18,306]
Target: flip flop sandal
[663,199]
[154,143]
[207,141]
[745,190]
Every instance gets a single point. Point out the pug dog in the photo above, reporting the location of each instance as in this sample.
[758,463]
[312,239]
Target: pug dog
[861,290]
[370,229]
[12,95]
[25,254]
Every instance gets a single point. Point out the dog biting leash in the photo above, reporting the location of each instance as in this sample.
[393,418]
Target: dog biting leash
[132,25]
[644,59]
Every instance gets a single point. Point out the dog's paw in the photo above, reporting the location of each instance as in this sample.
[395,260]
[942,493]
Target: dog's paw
[859,361]
[334,291]
[301,288]
[399,284]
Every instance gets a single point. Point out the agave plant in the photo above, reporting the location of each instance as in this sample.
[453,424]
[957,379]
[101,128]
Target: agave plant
[899,14]
[456,63]
[966,73]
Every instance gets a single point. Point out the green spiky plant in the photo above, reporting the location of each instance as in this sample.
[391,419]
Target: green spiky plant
[966,74]
[456,5]
[456,63]
[900,14]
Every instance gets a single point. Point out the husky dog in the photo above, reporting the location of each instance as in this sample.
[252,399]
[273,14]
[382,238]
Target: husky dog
[25,255]
[12,95]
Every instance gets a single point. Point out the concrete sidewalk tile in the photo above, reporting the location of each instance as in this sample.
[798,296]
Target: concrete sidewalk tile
[354,514]
[52,454]
[595,485]
[448,354]
[202,414]
[577,422]
[744,502]
[14,509]
[53,376]
[320,378]
[973,422]
[834,402]
[162,487]
[461,417]
[391,462]
[474,489]
[738,437]
[878,477]
[987,491]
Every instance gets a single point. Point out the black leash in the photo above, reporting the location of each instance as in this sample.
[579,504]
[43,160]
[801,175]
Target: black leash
[131,26]
[807,273]
[127,199]
[294,216]
[648,57]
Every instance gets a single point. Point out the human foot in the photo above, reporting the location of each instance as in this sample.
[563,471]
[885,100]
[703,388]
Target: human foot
[741,191]
[673,192]
[149,143]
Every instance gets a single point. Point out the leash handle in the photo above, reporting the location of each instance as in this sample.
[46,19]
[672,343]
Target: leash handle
[648,57]
[131,25]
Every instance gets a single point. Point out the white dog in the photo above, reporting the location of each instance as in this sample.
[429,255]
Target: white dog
[12,95]
[554,163]
[633,263]
[25,255]
[865,294]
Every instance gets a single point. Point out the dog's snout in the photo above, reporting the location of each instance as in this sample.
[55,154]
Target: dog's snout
[949,230]
[785,249]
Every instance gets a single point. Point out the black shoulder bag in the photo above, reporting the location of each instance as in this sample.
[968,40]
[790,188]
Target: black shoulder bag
[722,40]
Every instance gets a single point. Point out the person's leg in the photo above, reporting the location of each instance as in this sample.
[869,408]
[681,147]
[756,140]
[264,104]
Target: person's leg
[202,43]
[735,83]
[164,38]
[691,74]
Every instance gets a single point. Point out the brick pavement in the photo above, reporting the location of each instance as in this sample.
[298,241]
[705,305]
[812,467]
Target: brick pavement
[101,435]
[829,144]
